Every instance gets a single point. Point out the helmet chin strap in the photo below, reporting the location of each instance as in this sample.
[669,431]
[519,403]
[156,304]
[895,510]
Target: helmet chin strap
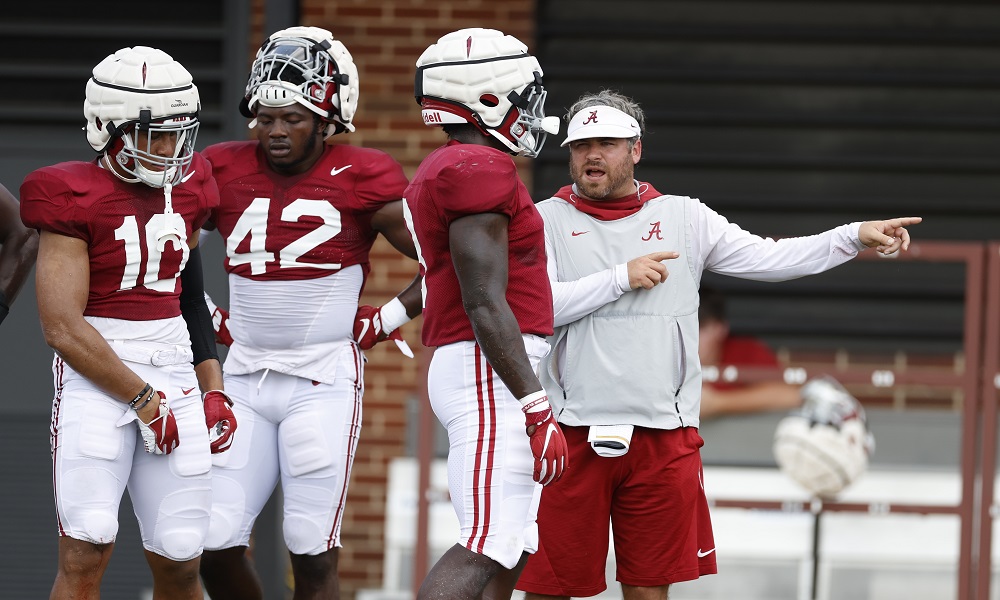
[157,179]
[170,229]
[108,165]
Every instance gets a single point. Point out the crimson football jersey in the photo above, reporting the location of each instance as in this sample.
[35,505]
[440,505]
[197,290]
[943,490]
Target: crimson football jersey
[458,180]
[306,226]
[137,246]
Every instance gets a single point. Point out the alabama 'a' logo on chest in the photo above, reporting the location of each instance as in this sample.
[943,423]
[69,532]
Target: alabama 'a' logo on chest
[654,232]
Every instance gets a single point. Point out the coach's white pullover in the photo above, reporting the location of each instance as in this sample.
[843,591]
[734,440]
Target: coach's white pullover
[631,357]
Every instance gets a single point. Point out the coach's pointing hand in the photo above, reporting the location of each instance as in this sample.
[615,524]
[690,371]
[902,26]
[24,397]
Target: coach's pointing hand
[887,236]
[647,271]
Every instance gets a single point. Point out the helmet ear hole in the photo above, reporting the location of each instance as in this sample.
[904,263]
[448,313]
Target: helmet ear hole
[490,100]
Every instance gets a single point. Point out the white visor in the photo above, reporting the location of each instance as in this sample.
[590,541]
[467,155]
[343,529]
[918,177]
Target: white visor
[601,122]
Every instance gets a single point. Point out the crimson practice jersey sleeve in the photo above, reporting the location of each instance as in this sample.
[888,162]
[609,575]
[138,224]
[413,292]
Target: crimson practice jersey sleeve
[300,227]
[137,244]
[458,180]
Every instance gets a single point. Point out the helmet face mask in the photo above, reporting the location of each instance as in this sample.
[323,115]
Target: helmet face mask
[139,154]
[135,97]
[523,130]
[304,65]
[488,79]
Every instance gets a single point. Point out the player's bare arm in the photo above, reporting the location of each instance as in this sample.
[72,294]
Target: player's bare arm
[62,285]
[648,271]
[18,248]
[412,297]
[887,236]
[389,221]
[479,252]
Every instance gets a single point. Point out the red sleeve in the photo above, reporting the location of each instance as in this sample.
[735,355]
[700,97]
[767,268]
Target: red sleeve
[744,352]
[48,203]
[208,195]
[481,184]
[748,352]
[224,162]
[383,181]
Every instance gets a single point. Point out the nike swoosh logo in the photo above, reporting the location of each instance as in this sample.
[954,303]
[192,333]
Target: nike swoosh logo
[186,391]
[365,323]
[704,554]
[551,429]
[335,170]
[576,233]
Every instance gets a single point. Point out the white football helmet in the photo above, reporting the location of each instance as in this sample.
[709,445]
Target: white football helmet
[486,78]
[137,94]
[305,65]
[825,445]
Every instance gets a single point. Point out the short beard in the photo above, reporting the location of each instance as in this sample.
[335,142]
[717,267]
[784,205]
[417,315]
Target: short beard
[616,181]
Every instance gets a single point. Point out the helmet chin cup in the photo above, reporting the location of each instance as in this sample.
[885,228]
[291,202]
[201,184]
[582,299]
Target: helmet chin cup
[153,178]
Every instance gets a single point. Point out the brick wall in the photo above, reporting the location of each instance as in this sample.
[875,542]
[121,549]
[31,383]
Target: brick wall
[386,37]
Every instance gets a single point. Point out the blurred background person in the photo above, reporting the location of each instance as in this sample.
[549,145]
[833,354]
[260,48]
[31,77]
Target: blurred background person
[718,348]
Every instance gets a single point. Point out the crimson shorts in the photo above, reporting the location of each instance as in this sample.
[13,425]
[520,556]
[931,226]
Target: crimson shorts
[654,499]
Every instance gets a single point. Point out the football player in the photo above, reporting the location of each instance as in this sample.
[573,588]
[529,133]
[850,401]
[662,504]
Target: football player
[116,235]
[487,303]
[18,246]
[298,217]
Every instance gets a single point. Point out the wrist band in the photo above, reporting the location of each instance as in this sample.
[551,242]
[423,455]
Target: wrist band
[148,398]
[533,399]
[393,315]
[139,396]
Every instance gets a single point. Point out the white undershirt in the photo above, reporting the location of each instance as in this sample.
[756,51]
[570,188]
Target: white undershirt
[718,246]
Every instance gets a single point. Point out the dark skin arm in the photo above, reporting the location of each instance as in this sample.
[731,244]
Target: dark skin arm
[389,221]
[478,246]
[18,247]
[412,297]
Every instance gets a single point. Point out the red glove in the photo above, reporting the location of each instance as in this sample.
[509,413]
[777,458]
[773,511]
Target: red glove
[220,420]
[160,436]
[368,329]
[548,445]
[220,323]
